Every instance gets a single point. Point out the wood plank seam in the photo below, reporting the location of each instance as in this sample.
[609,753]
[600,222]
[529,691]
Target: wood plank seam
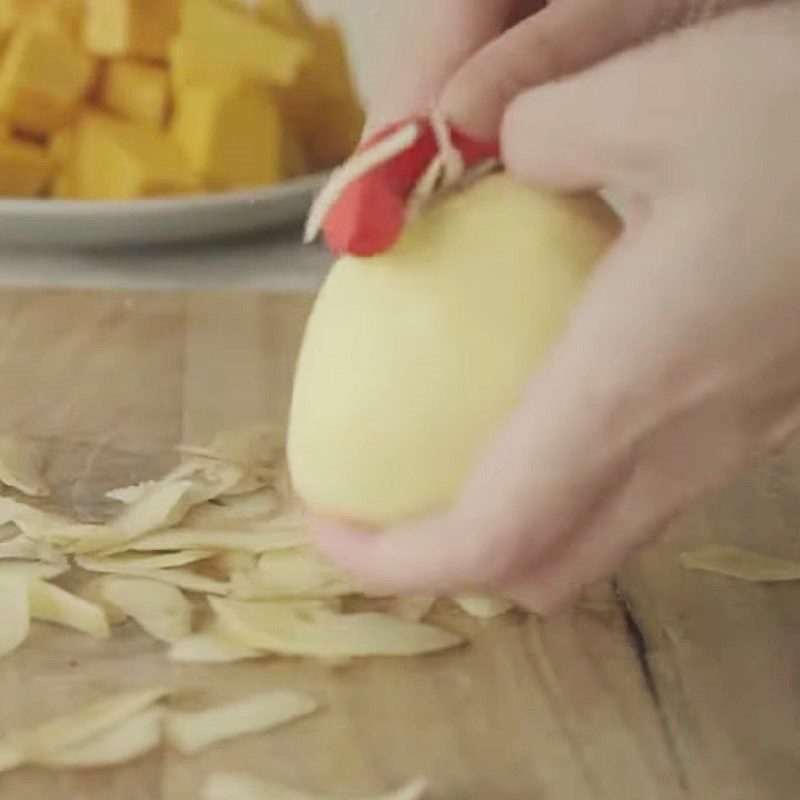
[639,644]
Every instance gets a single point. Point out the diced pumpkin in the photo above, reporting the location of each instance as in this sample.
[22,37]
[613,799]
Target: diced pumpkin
[62,148]
[330,67]
[65,14]
[293,157]
[119,160]
[322,108]
[8,17]
[288,13]
[25,168]
[187,65]
[229,39]
[43,78]
[61,144]
[230,132]
[334,139]
[13,12]
[136,90]
[63,185]
[141,28]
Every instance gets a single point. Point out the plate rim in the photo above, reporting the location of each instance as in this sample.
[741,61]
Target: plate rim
[60,207]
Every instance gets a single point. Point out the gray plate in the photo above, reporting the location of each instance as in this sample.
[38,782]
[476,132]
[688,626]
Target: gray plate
[80,223]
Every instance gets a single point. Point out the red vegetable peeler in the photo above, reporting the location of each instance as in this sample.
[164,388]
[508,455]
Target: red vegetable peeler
[366,203]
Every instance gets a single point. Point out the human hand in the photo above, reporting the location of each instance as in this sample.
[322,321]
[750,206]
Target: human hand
[471,58]
[682,362]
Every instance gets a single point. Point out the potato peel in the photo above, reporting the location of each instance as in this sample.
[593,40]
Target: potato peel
[160,506]
[246,445]
[49,603]
[31,569]
[734,562]
[92,591]
[129,494]
[161,609]
[192,731]
[313,629]
[137,564]
[81,726]
[52,529]
[10,758]
[240,786]
[249,541]
[81,539]
[213,516]
[256,505]
[234,561]
[208,480]
[15,614]
[33,522]
[131,739]
[483,607]
[291,573]
[211,646]
[21,547]
[212,507]
[412,609]
[21,464]
[189,581]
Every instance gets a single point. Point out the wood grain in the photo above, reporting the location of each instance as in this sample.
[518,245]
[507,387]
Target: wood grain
[725,655]
[561,710]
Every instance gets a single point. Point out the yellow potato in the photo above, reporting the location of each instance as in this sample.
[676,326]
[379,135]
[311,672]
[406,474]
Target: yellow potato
[411,359]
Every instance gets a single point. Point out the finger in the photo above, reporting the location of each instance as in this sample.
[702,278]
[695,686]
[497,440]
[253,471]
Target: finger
[681,459]
[616,124]
[435,40]
[632,120]
[659,483]
[594,556]
[436,555]
[523,9]
[563,38]
[574,444]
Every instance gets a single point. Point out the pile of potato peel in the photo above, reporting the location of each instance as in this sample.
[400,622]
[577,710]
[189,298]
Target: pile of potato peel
[213,535]
[132,723]
[213,560]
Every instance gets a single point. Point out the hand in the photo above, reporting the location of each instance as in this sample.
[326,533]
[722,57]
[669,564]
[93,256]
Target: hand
[682,362]
[473,57]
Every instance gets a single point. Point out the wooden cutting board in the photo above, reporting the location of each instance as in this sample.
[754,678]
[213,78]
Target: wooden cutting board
[670,685]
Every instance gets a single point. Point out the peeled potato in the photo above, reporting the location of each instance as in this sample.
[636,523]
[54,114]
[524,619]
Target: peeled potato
[412,358]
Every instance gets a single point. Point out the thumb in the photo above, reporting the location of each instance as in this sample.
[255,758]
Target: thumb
[563,38]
